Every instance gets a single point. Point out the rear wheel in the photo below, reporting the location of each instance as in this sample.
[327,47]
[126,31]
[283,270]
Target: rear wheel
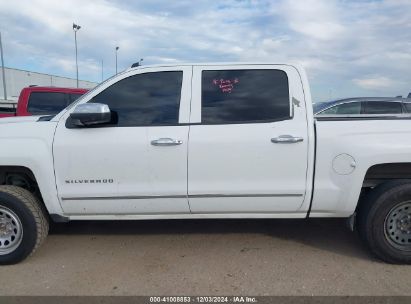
[398,226]
[23,224]
[384,221]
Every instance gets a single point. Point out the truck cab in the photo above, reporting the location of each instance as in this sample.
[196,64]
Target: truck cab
[190,149]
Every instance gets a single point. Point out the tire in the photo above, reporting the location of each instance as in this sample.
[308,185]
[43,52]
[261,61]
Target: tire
[24,224]
[379,221]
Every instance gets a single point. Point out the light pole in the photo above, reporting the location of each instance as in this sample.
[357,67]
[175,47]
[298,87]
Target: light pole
[116,57]
[2,70]
[76,27]
[102,70]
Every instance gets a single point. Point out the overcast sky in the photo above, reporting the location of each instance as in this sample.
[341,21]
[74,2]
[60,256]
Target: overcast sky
[349,48]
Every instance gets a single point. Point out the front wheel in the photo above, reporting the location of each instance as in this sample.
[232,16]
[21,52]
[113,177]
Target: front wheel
[384,221]
[23,224]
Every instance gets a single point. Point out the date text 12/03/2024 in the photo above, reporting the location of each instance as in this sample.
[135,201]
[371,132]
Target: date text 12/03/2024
[203,299]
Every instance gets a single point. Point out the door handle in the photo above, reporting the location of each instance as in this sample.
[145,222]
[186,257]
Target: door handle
[166,142]
[286,139]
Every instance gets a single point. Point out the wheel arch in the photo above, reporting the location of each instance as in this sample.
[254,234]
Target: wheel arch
[380,174]
[22,177]
[384,172]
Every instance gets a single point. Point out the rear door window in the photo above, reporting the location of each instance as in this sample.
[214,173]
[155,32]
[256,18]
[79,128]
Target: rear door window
[46,103]
[244,96]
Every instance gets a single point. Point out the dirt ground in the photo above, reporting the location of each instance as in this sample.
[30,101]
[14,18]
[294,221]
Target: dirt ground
[204,257]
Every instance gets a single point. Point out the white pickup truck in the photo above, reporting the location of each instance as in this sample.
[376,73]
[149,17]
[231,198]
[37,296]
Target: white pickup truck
[197,141]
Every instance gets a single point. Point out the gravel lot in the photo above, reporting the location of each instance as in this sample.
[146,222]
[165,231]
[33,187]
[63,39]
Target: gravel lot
[204,257]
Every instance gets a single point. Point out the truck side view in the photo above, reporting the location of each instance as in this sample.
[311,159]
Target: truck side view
[196,141]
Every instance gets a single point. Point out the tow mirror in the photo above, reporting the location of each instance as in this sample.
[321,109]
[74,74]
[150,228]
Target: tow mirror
[90,114]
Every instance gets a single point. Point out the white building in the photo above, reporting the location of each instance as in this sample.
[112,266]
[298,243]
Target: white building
[18,79]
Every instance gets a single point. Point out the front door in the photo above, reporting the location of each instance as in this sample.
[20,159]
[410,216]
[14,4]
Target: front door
[248,148]
[138,163]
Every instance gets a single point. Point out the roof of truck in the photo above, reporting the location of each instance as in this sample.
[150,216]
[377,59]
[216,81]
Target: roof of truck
[212,64]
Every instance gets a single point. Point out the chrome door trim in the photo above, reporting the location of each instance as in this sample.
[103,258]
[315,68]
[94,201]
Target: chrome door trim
[178,196]
[242,195]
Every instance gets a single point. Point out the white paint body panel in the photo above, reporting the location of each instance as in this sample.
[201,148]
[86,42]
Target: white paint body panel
[240,160]
[237,162]
[369,142]
[125,156]
[27,143]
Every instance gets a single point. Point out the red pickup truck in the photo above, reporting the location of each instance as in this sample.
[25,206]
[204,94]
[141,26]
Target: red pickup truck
[36,100]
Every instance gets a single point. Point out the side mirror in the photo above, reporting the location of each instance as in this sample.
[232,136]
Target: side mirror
[89,114]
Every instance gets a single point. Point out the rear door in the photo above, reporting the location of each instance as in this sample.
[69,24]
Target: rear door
[248,140]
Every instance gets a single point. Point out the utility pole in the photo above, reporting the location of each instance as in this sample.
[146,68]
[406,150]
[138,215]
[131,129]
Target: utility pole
[2,70]
[116,57]
[76,27]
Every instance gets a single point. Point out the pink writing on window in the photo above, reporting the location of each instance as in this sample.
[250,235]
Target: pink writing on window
[226,85]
